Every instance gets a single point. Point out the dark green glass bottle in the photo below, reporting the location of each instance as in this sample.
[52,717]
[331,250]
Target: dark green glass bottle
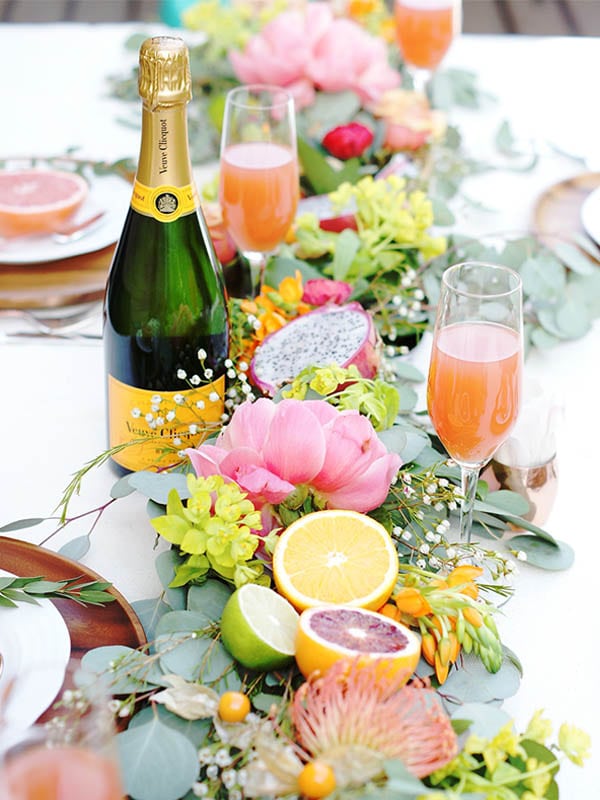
[165,315]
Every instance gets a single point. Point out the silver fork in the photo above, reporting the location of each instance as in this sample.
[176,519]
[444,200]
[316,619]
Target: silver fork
[45,323]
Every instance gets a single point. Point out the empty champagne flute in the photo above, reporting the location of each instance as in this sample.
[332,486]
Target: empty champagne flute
[425,30]
[259,185]
[474,384]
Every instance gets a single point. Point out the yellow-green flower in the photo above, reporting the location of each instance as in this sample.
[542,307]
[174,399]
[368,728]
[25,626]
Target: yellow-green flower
[574,743]
[539,728]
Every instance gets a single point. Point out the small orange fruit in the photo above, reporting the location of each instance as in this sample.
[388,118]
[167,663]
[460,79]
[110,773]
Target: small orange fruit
[335,556]
[316,780]
[331,633]
[233,706]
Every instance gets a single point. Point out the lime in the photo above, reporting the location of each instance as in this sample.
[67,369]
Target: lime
[258,628]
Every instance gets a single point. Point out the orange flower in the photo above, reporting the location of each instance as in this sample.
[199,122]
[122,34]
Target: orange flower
[291,289]
[410,121]
[269,321]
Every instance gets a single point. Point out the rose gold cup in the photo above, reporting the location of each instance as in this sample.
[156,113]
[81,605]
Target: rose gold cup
[537,484]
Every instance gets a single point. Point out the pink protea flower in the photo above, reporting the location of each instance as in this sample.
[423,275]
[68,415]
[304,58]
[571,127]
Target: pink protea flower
[311,49]
[270,448]
[358,707]
[318,291]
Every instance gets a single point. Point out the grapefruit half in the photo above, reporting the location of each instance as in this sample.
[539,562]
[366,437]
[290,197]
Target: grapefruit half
[38,200]
[329,634]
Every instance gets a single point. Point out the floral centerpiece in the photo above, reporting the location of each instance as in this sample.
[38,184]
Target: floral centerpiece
[217,694]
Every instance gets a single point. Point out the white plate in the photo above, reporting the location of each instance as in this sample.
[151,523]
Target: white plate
[36,647]
[108,193]
[590,215]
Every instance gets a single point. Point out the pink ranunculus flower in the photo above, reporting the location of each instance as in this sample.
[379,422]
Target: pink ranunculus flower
[348,141]
[270,448]
[319,291]
[309,49]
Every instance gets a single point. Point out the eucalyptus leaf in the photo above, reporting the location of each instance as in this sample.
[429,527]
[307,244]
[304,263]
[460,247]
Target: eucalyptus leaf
[407,372]
[573,258]
[149,613]
[263,701]
[543,554]
[408,398]
[572,319]
[21,524]
[122,488]
[157,485]
[126,670]
[195,730]
[442,215]
[157,762]
[401,780]
[485,720]
[166,563]
[542,339]
[472,683]
[505,501]
[76,548]
[154,509]
[209,598]
[281,267]
[174,622]
[544,278]
[200,659]
[395,439]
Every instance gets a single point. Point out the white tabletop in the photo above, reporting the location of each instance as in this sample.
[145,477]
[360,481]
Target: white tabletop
[52,414]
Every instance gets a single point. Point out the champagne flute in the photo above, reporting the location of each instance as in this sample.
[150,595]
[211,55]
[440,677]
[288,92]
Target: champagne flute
[69,755]
[259,185]
[474,385]
[424,32]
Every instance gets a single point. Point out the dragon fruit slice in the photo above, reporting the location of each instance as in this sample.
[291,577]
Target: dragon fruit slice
[333,334]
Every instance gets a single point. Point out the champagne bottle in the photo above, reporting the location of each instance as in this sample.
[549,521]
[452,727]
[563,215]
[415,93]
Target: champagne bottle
[165,313]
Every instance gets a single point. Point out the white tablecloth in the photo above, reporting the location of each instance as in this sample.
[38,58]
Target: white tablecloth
[52,415]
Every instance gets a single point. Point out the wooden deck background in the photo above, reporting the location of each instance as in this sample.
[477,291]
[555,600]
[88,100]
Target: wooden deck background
[534,17]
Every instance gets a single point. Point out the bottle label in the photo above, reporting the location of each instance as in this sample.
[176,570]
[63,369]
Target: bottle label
[161,423]
[164,203]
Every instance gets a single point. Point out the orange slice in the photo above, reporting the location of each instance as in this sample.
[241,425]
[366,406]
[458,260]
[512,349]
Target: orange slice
[329,634]
[335,557]
[38,200]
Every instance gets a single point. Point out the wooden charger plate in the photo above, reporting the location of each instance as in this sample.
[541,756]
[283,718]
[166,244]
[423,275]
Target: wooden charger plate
[557,213]
[89,626]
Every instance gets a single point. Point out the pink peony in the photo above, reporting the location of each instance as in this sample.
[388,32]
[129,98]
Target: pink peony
[311,49]
[319,291]
[348,141]
[270,448]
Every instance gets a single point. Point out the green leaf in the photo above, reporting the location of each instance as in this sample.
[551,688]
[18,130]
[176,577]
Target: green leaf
[195,730]
[573,258]
[127,671]
[21,524]
[407,372]
[544,278]
[545,341]
[202,659]
[317,170]
[149,613]
[281,267]
[484,719]
[395,439]
[505,501]
[166,563]
[44,587]
[401,780]
[209,598]
[472,683]
[122,488]
[346,248]
[572,319]
[543,554]
[182,622]
[157,486]
[157,762]
[76,548]
[442,215]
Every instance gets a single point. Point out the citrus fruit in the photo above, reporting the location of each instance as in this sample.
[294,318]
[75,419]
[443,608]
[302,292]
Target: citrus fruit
[258,628]
[335,557]
[330,633]
[38,200]
[234,706]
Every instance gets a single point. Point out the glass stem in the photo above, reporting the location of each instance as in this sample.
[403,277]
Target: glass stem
[420,79]
[468,482]
[257,262]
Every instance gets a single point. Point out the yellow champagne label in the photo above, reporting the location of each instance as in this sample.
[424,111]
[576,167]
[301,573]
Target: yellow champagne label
[160,423]
[164,203]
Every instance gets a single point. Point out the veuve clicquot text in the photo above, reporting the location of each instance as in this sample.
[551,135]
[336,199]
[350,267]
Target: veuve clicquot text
[165,314]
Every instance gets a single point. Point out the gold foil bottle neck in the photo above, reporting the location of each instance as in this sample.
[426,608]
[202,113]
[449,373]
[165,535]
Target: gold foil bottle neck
[164,77]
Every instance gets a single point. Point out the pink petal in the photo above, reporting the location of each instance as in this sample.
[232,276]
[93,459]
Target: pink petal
[369,490]
[206,460]
[322,410]
[263,486]
[295,445]
[248,426]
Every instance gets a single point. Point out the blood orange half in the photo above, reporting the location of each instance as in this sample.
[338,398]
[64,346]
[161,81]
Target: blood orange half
[38,200]
[331,633]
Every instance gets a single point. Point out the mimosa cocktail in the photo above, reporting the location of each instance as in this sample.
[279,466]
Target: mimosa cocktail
[259,193]
[474,385]
[474,388]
